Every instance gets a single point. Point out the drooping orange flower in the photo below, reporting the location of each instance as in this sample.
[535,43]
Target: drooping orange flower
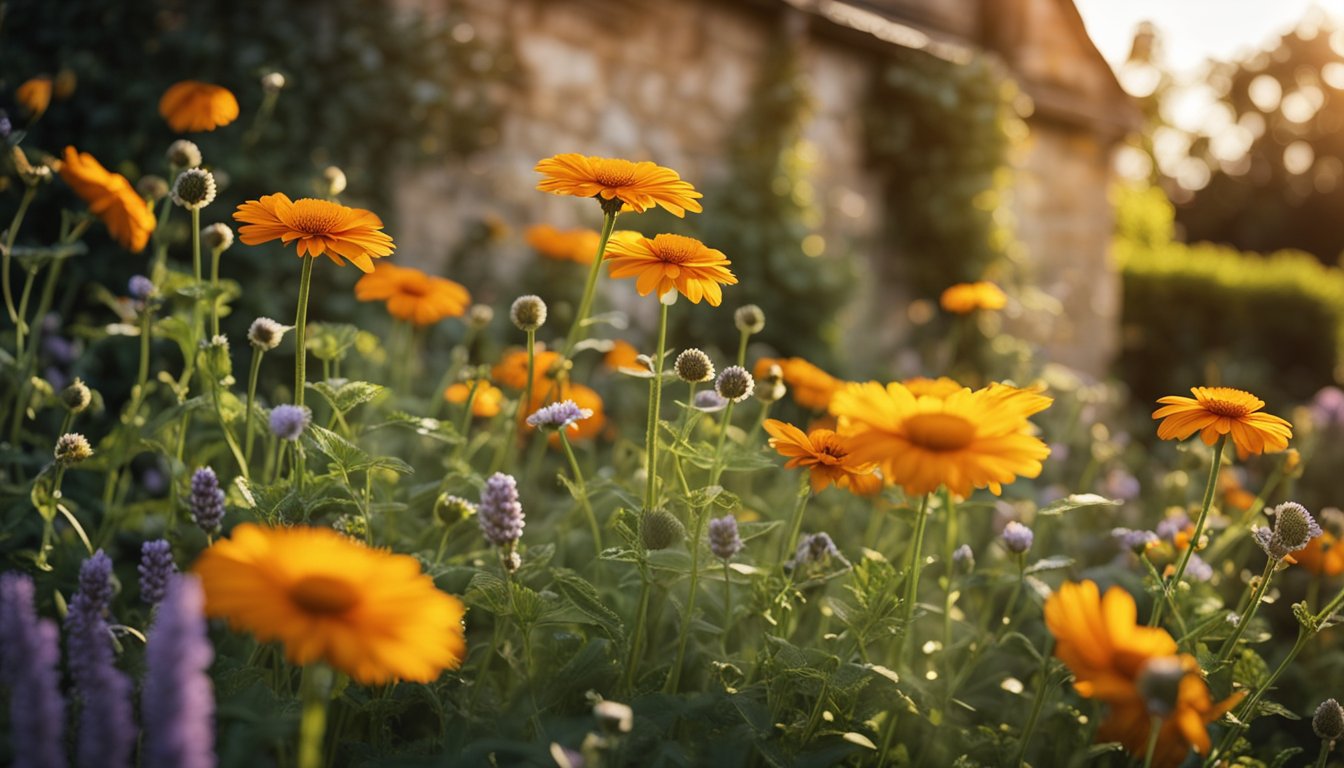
[965,298]
[811,387]
[967,440]
[584,397]
[319,226]
[191,106]
[34,96]
[641,186]
[369,613]
[1324,555]
[487,403]
[413,295]
[622,355]
[1115,660]
[511,370]
[671,261]
[577,245]
[111,198]
[826,456]
[939,387]
[1217,411]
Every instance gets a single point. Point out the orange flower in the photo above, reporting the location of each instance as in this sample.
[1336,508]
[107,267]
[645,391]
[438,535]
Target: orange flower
[1234,495]
[1323,555]
[584,397]
[577,245]
[827,458]
[1115,660]
[110,198]
[639,185]
[412,295]
[34,96]
[319,226]
[622,355]
[191,106]
[671,261]
[811,387]
[1218,411]
[968,440]
[965,298]
[511,370]
[487,402]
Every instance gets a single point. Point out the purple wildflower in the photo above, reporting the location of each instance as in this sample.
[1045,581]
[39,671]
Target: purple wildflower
[565,413]
[207,500]
[29,655]
[724,540]
[140,287]
[709,401]
[1197,569]
[1173,525]
[1135,541]
[1017,537]
[500,513]
[178,701]
[106,730]
[289,421]
[963,556]
[156,567]
[815,548]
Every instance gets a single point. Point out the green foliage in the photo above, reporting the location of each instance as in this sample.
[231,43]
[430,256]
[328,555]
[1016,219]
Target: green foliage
[1196,314]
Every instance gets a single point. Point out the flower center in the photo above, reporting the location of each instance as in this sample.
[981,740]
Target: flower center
[676,249]
[614,172]
[1226,408]
[323,595]
[315,217]
[414,287]
[939,431]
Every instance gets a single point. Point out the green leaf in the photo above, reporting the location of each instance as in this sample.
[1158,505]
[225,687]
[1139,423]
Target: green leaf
[1053,563]
[584,597]
[347,395]
[1077,501]
[331,341]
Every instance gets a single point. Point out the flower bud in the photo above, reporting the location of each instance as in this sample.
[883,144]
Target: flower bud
[479,316]
[528,313]
[333,180]
[724,538]
[216,238]
[735,384]
[1017,537]
[771,389]
[1328,722]
[660,529]
[265,334]
[77,396]
[194,189]
[750,319]
[272,82]
[72,448]
[693,366]
[183,154]
[963,558]
[450,509]
[152,188]
[140,288]
[1159,683]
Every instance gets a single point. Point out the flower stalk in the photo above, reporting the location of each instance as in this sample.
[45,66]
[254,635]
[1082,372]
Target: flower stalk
[1175,581]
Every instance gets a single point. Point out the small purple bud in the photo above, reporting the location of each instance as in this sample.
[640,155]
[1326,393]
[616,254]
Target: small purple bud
[1017,537]
[724,539]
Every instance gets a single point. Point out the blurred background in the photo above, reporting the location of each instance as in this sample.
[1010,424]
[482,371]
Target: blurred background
[1154,184]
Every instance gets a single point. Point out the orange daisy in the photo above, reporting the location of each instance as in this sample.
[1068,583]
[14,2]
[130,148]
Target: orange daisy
[412,295]
[319,226]
[511,370]
[34,96]
[827,457]
[622,355]
[1324,555]
[641,186]
[111,198]
[1217,411]
[965,298]
[577,245]
[812,388]
[191,106]
[671,261]
[487,403]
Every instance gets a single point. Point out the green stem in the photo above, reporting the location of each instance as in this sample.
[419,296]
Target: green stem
[1246,615]
[315,694]
[913,567]
[1175,581]
[583,493]
[197,322]
[22,328]
[252,373]
[790,542]
[674,677]
[1154,730]
[1037,704]
[300,330]
[1324,754]
[590,288]
[229,439]
[214,289]
[637,637]
[655,402]
[11,236]
[949,547]
[727,599]
[742,348]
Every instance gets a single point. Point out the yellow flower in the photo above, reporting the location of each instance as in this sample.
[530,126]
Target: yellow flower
[487,402]
[639,185]
[1218,411]
[369,613]
[319,226]
[191,106]
[671,261]
[34,96]
[965,298]
[827,458]
[1099,639]
[412,295]
[939,387]
[968,440]
[111,198]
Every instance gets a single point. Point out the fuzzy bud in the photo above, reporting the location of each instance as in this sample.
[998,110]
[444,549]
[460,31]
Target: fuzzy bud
[735,384]
[528,313]
[194,189]
[1017,537]
[183,154]
[72,448]
[479,316]
[771,389]
[288,421]
[140,288]
[750,319]
[1294,528]
[724,539]
[272,82]
[333,180]
[152,188]
[693,366]
[963,558]
[265,334]
[449,509]
[1159,683]
[216,238]
[1328,722]
[77,396]
[660,529]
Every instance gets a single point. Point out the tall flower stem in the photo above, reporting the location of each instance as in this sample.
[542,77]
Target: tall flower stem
[790,542]
[1154,730]
[655,402]
[583,493]
[1249,612]
[29,360]
[300,330]
[641,617]
[674,677]
[314,695]
[214,283]
[590,288]
[11,235]
[913,567]
[197,321]
[949,547]
[1175,581]
[253,370]
[742,348]
[1037,704]
[21,329]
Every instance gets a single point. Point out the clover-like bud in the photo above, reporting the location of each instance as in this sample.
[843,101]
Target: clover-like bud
[449,509]
[152,188]
[216,238]
[735,384]
[77,396]
[272,82]
[528,313]
[479,316]
[1328,722]
[1294,528]
[749,319]
[693,366]
[1017,537]
[72,448]
[183,154]
[265,334]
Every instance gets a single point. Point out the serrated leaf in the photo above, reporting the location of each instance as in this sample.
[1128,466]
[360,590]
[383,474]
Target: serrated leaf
[347,395]
[584,597]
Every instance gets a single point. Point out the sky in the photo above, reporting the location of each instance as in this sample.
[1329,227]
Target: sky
[1195,30]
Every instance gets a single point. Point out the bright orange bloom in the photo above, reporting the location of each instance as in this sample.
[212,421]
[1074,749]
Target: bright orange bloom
[1099,639]
[939,387]
[967,440]
[486,404]
[34,96]
[412,295]
[326,597]
[191,106]
[1234,495]
[671,261]
[639,185]
[811,387]
[511,370]
[577,245]
[584,397]
[111,198]
[622,355]
[1218,411]
[965,298]
[1323,555]
[319,226]
[826,456]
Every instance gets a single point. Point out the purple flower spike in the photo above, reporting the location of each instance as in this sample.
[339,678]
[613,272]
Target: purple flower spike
[207,500]
[178,702]
[500,513]
[724,539]
[156,567]
[106,730]
[29,655]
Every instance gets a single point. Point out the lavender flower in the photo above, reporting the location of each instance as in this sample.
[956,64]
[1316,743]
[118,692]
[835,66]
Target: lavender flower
[29,655]
[1017,537]
[1294,528]
[815,549]
[1135,541]
[1173,525]
[557,416]
[724,540]
[156,567]
[709,401]
[1197,569]
[140,287]
[207,500]
[289,421]
[500,513]
[178,701]
[106,731]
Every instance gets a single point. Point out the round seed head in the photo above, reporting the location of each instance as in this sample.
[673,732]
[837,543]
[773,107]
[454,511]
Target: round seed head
[217,237]
[660,529]
[479,316]
[183,154]
[194,189]
[72,448]
[1328,722]
[152,188]
[77,396]
[693,366]
[528,313]
[265,334]
[735,384]
[450,509]
[749,319]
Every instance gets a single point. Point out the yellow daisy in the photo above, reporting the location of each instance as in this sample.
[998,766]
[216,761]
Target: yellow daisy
[641,186]
[319,226]
[671,261]
[1217,411]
